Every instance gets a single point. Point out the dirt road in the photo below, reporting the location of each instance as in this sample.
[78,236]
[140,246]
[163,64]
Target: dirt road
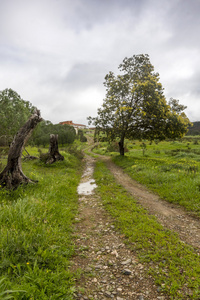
[110,269]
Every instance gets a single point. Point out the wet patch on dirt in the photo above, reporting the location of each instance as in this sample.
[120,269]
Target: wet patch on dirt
[86,188]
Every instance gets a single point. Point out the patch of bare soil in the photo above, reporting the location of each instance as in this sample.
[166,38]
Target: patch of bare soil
[169,215]
[109,269]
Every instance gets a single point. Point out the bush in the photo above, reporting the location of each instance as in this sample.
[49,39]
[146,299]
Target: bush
[83,139]
[73,150]
[4,150]
[113,147]
[43,156]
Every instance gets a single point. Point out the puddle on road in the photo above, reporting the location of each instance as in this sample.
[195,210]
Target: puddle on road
[86,188]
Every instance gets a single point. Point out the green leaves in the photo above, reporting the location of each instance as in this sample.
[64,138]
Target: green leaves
[14,112]
[66,133]
[135,106]
[178,122]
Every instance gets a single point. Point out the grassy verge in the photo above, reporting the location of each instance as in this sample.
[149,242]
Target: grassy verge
[174,265]
[175,179]
[36,232]
[169,168]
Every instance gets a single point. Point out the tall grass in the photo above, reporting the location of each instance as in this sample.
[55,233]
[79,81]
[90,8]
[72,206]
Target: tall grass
[36,231]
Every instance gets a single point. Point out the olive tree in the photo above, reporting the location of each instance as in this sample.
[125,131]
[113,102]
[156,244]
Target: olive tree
[14,111]
[12,175]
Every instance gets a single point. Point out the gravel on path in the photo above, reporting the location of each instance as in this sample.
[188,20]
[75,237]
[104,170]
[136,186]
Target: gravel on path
[109,269]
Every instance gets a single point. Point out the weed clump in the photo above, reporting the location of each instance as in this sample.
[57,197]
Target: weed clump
[44,157]
[73,150]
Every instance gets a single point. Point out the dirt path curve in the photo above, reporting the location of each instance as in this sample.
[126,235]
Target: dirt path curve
[169,215]
[109,269]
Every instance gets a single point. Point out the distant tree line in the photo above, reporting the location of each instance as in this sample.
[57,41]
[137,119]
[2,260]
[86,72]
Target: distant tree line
[66,134]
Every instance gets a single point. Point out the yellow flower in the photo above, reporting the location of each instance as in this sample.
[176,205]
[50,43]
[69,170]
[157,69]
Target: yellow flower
[27,263]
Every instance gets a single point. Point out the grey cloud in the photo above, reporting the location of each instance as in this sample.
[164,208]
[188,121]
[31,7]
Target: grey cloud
[90,13]
[56,53]
[83,75]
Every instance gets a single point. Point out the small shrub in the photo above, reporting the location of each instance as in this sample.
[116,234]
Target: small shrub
[130,146]
[43,156]
[175,151]
[76,152]
[192,169]
[168,152]
[198,186]
[113,147]
[165,168]
[83,139]
[157,151]
[4,150]
[196,142]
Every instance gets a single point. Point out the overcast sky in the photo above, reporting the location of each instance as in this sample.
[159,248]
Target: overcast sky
[56,53]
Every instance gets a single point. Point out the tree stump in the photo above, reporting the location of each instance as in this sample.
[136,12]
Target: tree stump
[54,154]
[12,176]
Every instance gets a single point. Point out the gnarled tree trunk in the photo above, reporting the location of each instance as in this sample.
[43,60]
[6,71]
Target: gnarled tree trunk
[54,154]
[12,176]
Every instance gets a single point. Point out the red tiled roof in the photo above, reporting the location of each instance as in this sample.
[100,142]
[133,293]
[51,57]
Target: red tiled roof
[71,123]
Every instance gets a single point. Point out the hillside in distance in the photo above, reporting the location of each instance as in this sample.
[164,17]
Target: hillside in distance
[195,129]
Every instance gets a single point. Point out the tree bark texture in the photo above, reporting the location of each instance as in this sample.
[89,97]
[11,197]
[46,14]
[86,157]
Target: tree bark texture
[54,154]
[121,148]
[12,176]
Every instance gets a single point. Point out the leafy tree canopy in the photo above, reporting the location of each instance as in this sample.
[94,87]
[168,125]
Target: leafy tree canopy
[135,106]
[14,112]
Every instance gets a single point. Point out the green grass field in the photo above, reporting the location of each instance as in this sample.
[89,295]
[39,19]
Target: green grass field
[37,220]
[36,231]
[171,169]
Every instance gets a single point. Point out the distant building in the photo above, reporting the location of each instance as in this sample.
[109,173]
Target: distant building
[76,126]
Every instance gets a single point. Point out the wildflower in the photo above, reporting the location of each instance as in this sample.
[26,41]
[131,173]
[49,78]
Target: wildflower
[27,263]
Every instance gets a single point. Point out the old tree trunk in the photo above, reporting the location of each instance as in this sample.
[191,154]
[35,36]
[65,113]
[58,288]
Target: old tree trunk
[121,144]
[12,176]
[54,154]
